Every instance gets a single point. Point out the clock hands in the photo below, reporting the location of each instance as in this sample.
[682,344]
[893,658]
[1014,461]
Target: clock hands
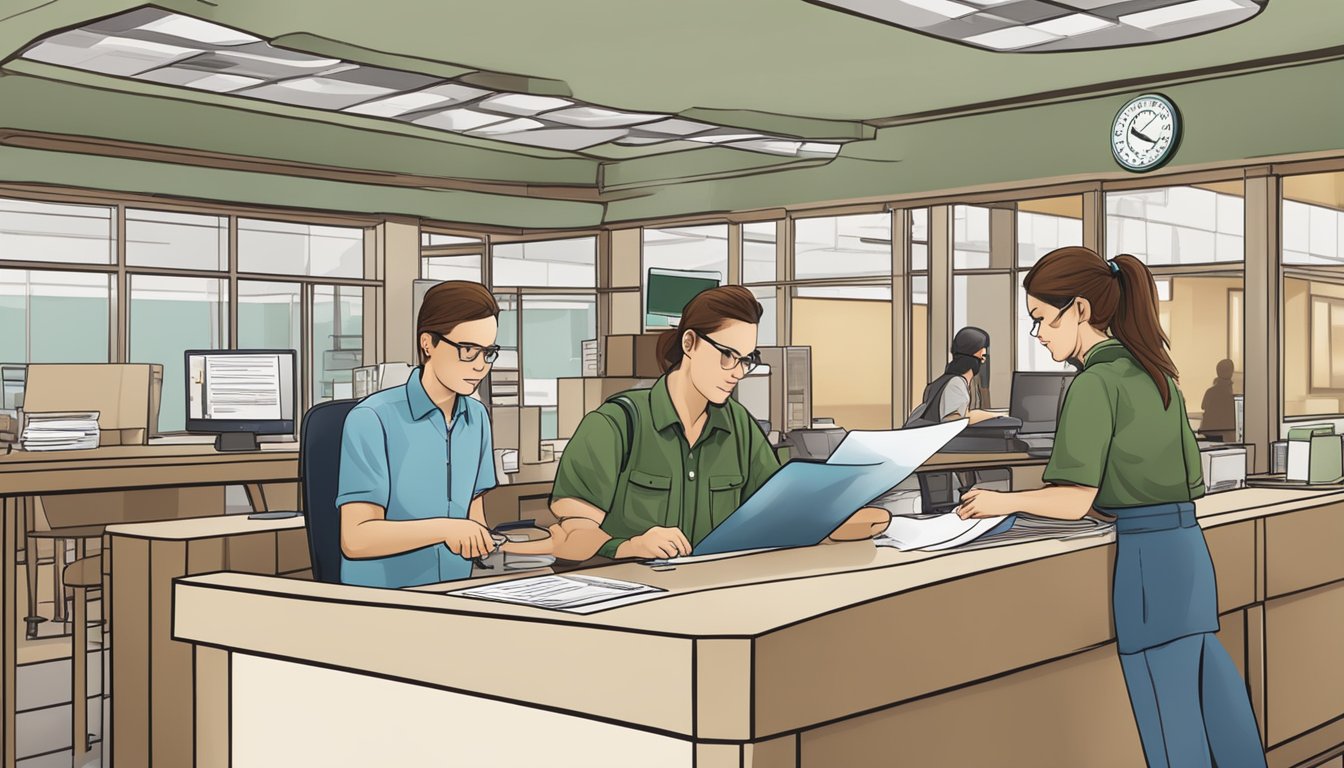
[1135,132]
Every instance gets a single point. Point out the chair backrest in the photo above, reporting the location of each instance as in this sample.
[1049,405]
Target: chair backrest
[319,464]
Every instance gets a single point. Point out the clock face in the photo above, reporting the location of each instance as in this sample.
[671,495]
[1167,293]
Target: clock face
[1145,133]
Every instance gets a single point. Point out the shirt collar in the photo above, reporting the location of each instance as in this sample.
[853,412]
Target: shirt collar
[420,404]
[1110,349]
[665,415]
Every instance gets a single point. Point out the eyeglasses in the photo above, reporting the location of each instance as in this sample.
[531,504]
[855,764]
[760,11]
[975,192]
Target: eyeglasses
[467,353]
[731,359]
[1035,331]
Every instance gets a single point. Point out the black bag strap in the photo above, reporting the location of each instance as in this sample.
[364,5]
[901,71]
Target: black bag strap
[628,437]
[933,395]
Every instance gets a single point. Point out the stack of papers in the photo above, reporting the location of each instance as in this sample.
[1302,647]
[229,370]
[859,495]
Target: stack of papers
[68,431]
[932,533]
[573,593]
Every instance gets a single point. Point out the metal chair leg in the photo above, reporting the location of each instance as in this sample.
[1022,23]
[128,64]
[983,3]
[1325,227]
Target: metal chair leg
[79,678]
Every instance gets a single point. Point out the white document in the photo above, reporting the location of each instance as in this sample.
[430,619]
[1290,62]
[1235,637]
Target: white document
[903,449]
[243,387]
[565,593]
[933,531]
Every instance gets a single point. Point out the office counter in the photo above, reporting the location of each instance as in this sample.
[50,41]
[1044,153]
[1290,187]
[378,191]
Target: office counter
[836,655]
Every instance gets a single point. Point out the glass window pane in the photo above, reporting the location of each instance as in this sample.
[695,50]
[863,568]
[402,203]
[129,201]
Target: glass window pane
[182,240]
[851,368]
[570,263]
[919,225]
[430,239]
[508,332]
[338,340]
[54,317]
[452,268]
[268,315]
[554,328]
[69,234]
[1039,234]
[287,248]
[985,301]
[842,246]
[919,257]
[1176,225]
[759,252]
[970,237]
[919,338]
[765,332]
[170,315]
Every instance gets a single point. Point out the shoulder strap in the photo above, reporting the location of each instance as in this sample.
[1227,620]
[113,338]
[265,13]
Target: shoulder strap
[628,437]
[933,395]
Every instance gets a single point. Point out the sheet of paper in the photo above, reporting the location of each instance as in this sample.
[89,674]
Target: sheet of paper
[563,593]
[902,450]
[981,527]
[243,387]
[930,531]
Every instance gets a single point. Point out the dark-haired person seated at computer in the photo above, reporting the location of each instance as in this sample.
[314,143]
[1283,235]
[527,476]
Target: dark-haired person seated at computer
[694,456]
[416,459]
[951,396]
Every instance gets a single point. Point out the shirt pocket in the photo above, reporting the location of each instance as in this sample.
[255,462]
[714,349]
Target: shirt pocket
[647,498]
[725,494]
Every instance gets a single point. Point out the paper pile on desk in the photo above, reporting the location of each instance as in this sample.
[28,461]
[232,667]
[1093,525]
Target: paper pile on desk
[66,431]
[932,533]
[574,593]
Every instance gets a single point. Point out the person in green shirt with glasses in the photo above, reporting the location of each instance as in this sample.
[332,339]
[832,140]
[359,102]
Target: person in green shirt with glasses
[651,472]
[1124,447]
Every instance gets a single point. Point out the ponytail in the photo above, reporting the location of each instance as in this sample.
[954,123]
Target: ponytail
[1136,323]
[707,312]
[1123,296]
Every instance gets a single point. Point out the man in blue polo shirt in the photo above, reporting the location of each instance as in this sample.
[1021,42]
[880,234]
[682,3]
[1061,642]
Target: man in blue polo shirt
[416,459]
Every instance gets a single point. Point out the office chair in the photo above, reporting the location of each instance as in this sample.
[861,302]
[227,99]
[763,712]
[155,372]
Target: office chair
[319,463]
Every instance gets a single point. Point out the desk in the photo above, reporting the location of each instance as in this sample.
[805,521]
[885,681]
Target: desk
[151,674]
[836,655]
[105,469]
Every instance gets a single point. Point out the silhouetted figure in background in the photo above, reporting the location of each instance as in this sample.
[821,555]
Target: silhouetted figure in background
[1220,410]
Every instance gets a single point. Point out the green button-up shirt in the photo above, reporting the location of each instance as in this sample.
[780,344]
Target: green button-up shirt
[1115,436]
[667,482]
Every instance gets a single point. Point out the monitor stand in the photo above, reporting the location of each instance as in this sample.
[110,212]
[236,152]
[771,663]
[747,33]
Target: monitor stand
[236,441]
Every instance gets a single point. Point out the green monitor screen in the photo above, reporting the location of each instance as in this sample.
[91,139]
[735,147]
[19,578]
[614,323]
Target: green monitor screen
[669,290]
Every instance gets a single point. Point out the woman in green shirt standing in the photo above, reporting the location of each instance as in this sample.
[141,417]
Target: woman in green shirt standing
[1124,447]
[652,471]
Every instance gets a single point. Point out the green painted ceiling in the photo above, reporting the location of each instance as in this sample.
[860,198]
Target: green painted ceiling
[751,60]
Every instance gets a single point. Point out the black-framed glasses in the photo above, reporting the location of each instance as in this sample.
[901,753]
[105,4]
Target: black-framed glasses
[1035,331]
[730,359]
[466,352]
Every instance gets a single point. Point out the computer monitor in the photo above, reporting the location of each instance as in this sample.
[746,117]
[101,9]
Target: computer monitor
[1037,397]
[239,394]
[668,291]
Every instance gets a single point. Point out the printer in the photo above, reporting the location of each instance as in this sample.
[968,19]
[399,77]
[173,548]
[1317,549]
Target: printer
[996,435]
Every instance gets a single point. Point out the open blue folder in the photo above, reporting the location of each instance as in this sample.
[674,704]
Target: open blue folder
[805,501]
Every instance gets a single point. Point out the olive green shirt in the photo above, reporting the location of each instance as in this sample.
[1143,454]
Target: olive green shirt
[667,482]
[1114,435]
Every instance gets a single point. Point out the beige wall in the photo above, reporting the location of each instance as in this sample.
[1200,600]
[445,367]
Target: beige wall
[851,359]
[1298,399]
[1196,321]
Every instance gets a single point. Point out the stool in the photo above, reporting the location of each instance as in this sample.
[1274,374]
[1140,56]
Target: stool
[58,538]
[82,576]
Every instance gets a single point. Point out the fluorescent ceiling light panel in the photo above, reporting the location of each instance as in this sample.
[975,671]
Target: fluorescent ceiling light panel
[153,45]
[400,104]
[572,139]
[199,30]
[1074,24]
[510,126]
[596,117]
[941,7]
[678,127]
[459,120]
[523,104]
[1182,12]
[1012,38]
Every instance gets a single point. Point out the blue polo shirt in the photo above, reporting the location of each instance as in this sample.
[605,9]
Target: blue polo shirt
[397,453]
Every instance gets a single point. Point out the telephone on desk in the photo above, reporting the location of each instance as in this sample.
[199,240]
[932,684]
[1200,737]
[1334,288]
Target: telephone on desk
[995,435]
